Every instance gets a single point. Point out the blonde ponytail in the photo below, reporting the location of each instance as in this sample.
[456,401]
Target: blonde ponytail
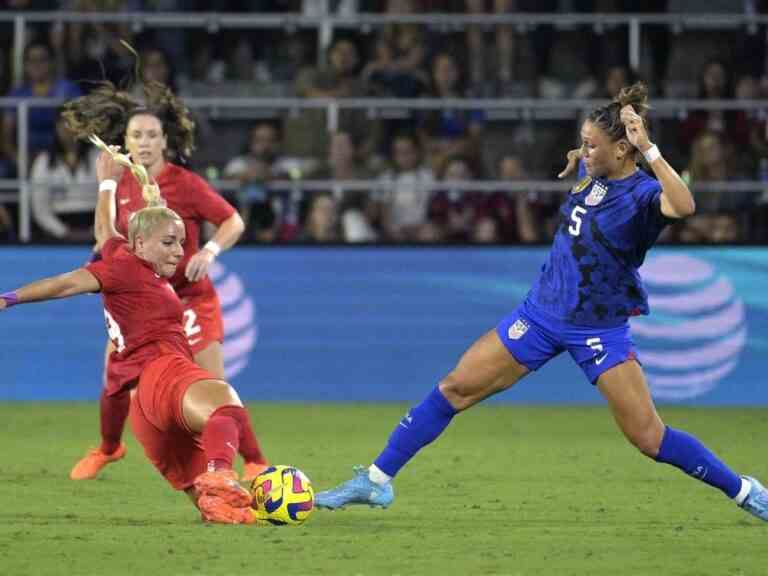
[150,191]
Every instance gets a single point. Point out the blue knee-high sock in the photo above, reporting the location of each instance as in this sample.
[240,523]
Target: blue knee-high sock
[418,428]
[692,457]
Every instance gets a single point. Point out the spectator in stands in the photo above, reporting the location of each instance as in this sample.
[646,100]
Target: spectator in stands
[748,88]
[307,134]
[453,210]
[506,217]
[384,77]
[39,82]
[93,50]
[715,83]
[157,66]
[525,216]
[245,77]
[708,162]
[260,162]
[359,210]
[397,66]
[320,220]
[63,187]
[445,133]
[720,215]
[404,196]
[616,76]
[343,161]
[339,79]
[505,46]
[204,72]
[262,159]
[487,230]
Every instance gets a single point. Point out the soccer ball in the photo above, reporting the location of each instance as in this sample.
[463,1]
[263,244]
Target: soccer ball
[283,495]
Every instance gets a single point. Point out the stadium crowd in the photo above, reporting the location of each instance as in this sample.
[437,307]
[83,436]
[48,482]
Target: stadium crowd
[400,154]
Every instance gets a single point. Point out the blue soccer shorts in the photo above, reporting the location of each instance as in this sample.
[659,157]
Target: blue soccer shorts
[534,339]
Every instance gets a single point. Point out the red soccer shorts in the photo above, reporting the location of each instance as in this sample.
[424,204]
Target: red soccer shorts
[203,324]
[157,419]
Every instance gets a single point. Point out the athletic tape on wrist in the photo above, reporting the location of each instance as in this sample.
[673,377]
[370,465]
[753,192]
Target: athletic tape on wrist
[107,185]
[212,247]
[652,154]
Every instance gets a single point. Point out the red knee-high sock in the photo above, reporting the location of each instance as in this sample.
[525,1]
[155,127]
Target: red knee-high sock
[250,449]
[113,410]
[221,436]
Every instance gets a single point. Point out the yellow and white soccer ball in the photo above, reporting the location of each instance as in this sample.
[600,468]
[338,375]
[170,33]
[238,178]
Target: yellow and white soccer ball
[283,495]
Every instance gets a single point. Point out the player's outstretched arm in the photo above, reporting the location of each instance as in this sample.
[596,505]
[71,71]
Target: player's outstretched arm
[676,198]
[63,286]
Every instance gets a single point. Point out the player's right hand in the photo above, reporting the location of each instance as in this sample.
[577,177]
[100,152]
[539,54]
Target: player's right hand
[3,305]
[107,168]
[573,157]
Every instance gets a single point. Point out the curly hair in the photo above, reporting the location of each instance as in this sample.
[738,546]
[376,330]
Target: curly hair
[107,110]
[608,117]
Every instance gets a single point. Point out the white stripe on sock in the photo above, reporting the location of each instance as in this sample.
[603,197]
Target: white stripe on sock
[376,476]
[746,486]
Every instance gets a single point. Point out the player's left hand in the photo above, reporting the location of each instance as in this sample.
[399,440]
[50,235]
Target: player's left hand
[197,267]
[2,304]
[635,127]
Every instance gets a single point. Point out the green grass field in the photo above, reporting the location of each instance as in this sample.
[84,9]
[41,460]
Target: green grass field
[507,490]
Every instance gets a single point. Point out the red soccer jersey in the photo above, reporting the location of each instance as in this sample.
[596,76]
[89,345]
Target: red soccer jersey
[143,313]
[190,197]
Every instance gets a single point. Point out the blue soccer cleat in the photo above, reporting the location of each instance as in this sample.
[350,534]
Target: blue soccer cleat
[359,490]
[756,502]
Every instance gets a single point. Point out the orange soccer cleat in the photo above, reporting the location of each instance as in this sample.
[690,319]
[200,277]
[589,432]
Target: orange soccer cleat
[215,509]
[221,499]
[253,469]
[94,460]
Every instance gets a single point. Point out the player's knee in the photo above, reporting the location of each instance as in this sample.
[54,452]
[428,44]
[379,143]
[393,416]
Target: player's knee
[203,398]
[220,393]
[459,393]
[647,439]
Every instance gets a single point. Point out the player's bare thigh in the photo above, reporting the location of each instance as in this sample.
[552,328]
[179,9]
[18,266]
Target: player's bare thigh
[626,391]
[485,369]
[212,359]
[203,398]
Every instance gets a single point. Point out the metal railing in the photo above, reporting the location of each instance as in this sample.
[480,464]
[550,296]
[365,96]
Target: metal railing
[510,108]
[327,23]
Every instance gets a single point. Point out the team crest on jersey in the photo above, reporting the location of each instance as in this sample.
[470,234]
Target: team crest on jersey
[596,195]
[581,184]
[518,329]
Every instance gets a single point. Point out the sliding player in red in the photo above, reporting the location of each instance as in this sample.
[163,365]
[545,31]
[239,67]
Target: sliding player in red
[189,421]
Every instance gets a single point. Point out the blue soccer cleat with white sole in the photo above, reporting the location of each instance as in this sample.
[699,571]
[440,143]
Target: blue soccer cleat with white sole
[756,502]
[358,490]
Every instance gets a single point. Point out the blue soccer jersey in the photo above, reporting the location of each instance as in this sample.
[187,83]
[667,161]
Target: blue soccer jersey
[606,226]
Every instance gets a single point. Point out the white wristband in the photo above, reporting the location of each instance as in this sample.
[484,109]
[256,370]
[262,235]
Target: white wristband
[107,185]
[652,154]
[212,247]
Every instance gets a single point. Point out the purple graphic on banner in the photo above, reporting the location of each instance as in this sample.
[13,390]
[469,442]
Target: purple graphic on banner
[697,328]
[239,313]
